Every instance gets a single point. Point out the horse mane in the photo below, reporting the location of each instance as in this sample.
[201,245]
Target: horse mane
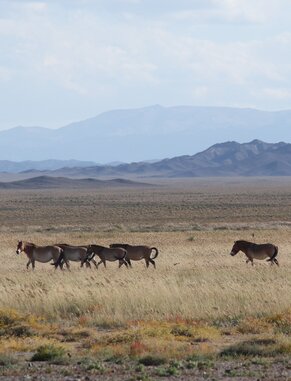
[29,244]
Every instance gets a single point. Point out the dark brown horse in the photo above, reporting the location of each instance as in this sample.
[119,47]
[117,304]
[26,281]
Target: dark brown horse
[106,254]
[136,253]
[254,251]
[34,253]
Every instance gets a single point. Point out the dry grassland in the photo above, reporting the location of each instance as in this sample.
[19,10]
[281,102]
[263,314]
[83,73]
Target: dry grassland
[196,278]
[199,301]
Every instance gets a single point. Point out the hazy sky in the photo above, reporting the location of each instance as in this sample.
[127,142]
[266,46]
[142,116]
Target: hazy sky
[66,60]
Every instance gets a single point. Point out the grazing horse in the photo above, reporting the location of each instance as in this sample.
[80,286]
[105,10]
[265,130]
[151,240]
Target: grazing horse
[254,251]
[136,253]
[34,253]
[107,254]
[72,253]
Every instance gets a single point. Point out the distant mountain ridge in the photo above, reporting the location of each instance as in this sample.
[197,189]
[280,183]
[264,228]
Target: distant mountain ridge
[255,158]
[144,133]
[43,165]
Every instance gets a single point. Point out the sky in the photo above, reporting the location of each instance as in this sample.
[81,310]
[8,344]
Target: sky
[67,60]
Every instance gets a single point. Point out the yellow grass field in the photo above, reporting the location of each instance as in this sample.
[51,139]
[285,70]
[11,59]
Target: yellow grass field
[199,301]
[196,278]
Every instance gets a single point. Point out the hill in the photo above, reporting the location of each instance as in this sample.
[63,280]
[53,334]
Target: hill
[255,158]
[47,182]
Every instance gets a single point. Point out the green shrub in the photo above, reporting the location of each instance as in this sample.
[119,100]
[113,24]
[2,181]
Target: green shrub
[6,360]
[48,353]
[151,360]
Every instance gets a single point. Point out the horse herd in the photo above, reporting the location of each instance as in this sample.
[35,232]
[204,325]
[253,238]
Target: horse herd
[62,254]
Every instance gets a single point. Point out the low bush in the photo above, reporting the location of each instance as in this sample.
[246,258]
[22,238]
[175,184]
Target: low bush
[152,360]
[48,353]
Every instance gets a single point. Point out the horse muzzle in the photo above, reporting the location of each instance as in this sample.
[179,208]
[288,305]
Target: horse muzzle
[232,253]
[18,251]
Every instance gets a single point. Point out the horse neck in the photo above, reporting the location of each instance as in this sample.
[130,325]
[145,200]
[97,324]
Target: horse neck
[244,246]
[28,248]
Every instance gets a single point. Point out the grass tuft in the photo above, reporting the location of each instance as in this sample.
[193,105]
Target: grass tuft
[48,353]
[151,360]
[6,360]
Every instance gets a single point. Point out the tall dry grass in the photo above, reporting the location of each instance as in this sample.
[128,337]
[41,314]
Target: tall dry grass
[196,278]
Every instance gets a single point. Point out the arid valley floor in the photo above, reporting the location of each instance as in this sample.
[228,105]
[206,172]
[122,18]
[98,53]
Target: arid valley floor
[201,314]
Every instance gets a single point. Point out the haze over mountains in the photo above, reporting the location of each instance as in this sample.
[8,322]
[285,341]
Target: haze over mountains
[42,165]
[143,134]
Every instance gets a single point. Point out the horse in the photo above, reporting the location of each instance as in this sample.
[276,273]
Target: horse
[136,253]
[255,251]
[34,253]
[107,254]
[72,253]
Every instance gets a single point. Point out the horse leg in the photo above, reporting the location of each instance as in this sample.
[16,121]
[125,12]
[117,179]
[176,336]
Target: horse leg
[129,263]
[67,263]
[252,261]
[276,261]
[120,263]
[99,263]
[124,263]
[94,262]
[152,262]
[147,262]
[28,263]
[33,264]
[104,263]
[88,264]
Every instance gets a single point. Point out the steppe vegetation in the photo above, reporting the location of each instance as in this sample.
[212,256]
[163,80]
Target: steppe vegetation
[201,313]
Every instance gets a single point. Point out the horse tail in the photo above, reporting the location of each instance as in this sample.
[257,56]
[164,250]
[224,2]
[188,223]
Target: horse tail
[156,254]
[274,255]
[122,258]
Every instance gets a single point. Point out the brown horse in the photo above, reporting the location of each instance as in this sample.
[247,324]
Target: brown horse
[254,251]
[136,253]
[107,254]
[72,253]
[34,253]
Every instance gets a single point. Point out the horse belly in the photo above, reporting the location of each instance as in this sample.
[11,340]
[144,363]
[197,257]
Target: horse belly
[111,259]
[259,255]
[73,256]
[43,258]
[135,257]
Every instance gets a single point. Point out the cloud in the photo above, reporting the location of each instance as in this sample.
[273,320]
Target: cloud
[276,93]
[36,6]
[127,52]
[5,74]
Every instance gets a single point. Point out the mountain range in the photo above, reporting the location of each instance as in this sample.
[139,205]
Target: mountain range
[143,134]
[255,158]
